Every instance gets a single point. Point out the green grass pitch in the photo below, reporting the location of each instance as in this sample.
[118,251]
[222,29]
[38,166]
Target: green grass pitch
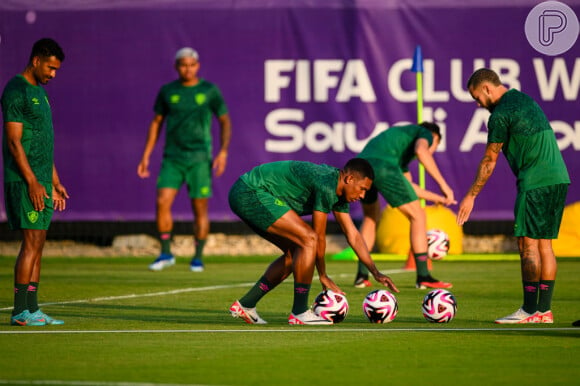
[127,326]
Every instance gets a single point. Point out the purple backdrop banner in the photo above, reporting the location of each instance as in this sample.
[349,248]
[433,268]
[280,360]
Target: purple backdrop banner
[302,81]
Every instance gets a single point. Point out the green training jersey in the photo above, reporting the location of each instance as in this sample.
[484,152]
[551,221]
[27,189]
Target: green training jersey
[27,104]
[529,143]
[303,186]
[188,112]
[396,145]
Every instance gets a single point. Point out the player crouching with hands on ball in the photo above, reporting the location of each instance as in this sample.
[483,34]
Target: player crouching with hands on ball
[271,198]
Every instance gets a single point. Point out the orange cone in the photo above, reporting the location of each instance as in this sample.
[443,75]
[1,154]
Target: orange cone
[410,263]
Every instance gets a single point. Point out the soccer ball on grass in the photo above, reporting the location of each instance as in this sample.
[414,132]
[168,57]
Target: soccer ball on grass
[439,306]
[380,306]
[331,306]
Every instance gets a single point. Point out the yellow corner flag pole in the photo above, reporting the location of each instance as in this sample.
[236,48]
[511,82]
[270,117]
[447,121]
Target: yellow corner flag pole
[417,68]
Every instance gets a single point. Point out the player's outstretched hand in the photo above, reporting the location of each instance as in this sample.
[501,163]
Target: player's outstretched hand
[465,208]
[327,283]
[386,281]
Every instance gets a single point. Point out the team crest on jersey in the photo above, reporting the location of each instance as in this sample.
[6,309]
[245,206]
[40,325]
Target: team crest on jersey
[35,101]
[32,216]
[174,99]
[200,99]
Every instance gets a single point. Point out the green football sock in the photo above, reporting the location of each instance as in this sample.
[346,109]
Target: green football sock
[257,292]
[32,297]
[362,270]
[545,297]
[301,291]
[530,296]
[165,239]
[199,244]
[20,298]
[421,264]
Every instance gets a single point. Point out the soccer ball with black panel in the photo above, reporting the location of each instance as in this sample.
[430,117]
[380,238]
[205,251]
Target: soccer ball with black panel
[380,306]
[331,306]
[439,306]
[437,244]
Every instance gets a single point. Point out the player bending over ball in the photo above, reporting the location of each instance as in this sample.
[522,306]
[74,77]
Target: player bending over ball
[518,126]
[390,153]
[271,198]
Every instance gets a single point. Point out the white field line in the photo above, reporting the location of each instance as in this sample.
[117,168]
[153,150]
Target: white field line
[292,329]
[174,292]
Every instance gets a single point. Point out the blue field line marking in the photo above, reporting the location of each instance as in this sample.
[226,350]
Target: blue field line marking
[177,291]
[292,329]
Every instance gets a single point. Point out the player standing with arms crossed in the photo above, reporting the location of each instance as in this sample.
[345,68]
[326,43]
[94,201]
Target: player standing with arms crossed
[32,188]
[188,105]
[518,127]
[271,198]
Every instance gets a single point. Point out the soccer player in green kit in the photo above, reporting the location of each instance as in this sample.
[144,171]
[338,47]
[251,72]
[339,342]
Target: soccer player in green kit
[518,127]
[32,188]
[390,153]
[188,106]
[271,198]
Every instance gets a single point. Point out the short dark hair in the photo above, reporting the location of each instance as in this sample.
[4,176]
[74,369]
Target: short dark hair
[483,75]
[359,166]
[432,127]
[45,48]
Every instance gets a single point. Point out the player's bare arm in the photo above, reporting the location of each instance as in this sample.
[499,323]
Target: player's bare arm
[360,248]
[486,167]
[36,191]
[221,158]
[425,157]
[484,171]
[431,196]
[427,194]
[59,192]
[152,137]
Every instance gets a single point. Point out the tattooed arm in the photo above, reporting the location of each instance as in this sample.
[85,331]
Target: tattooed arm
[485,170]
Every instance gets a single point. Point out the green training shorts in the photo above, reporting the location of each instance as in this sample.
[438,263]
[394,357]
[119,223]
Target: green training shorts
[19,209]
[538,212]
[196,176]
[391,183]
[257,208]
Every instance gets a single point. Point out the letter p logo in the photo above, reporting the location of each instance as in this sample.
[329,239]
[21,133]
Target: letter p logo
[551,22]
[552,28]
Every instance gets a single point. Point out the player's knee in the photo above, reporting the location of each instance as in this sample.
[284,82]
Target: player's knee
[309,239]
[163,203]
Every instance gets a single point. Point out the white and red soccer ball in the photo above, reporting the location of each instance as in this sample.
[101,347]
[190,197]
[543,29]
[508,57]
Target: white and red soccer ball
[331,306]
[380,306]
[439,306]
[437,244]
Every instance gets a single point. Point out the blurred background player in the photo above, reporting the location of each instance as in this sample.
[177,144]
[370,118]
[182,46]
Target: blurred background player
[518,127]
[390,153]
[271,198]
[31,184]
[188,104]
